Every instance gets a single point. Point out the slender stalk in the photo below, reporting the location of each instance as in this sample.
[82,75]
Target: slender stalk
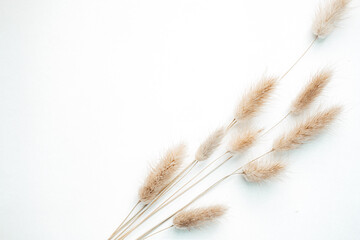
[164,229]
[301,56]
[121,224]
[263,155]
[130,221]
[231,124]
[186,170]
[200,195]
[281,120]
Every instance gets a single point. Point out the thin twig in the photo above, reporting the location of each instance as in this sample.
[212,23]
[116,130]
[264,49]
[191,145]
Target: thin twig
[298,60]
[130,221]
[121,224]
[231,124]
[282,119]
[164,229]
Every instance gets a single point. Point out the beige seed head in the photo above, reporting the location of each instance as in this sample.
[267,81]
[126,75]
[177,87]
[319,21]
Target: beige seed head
[311,91]
[188,219]
[328,16]
[209,145]
[306,130]
[253,100]
[263,170]
[162,173]
[243,141]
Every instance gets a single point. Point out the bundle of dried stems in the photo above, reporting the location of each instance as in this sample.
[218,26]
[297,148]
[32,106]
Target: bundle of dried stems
[165,175]
[259,171]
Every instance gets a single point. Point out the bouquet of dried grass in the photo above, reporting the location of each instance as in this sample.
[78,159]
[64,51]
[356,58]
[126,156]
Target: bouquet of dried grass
[167,174]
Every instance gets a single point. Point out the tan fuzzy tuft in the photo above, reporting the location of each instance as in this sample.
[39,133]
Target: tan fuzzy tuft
[260,171]
[254,99]
[328,17]
[209,145]
[306,130]
[188,219]
[243,141]
[311,91]
[162,173]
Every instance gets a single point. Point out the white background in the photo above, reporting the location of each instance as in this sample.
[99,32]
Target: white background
[92,92]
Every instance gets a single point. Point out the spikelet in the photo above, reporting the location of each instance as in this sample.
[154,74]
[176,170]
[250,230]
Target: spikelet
[263,170]
[243,141]
[209,145]
[162,173]
[328,17]
[188,219]
[311,91]
[306,130]
[254,99]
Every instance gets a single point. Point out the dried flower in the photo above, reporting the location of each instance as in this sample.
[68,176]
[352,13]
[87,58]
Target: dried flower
[328,17]
[209,145]
[306,130]
[311,91]
[254,99]
[243,141]
[260,171]
[162,173]
[188,219]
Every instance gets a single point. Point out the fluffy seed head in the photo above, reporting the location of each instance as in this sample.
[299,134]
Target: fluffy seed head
[209,145]
[328,17]
[306,130]
[254,99]
[243,141]
[162,173]
[263,170]
[194,218]
[311,91]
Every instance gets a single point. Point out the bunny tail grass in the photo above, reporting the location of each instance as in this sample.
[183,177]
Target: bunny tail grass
[255,98]
[208,147]
[194,218]
[243,141]
[306,130]
[162,174]
[260,171]
[328,17]
[311,91]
